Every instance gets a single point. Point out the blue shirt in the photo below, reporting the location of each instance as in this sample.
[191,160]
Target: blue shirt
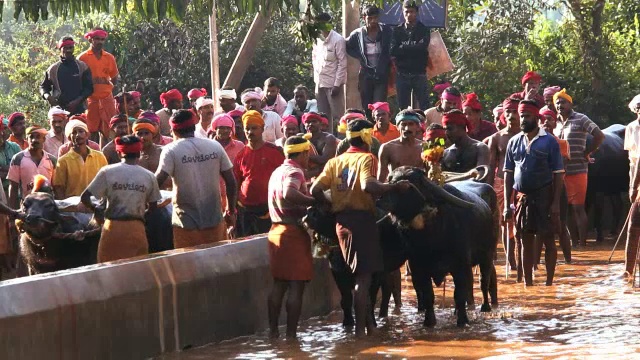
[533,162]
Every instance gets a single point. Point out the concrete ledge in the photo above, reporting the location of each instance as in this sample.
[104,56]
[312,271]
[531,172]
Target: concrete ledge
[149,305]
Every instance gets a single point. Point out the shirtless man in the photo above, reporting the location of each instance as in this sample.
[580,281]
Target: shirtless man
[403,151]
[324,143]
[465,153]
[497,150]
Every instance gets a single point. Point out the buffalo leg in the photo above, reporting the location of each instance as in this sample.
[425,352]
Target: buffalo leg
[425,287]
[460,294]
[395,278]
[471,301]
[493,287]
[487,271]
[385,285]
[419,285]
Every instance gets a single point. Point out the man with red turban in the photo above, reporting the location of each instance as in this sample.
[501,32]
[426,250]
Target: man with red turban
[104,70]
[171,101]
[131,191]
[465,153]
[67,83]
[537,181]
[119,124]
[450,99]
[383,130]
[478,129]
[195,94]
[497,150]
[324,143]
[158,138]
[195,166]
[531,87]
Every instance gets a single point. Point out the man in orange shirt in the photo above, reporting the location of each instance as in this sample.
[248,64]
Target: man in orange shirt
[101,105]
[17,126]
[383,130]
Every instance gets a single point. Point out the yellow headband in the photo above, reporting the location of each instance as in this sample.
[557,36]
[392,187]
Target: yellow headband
[562,94]
[292,149]
[365,134]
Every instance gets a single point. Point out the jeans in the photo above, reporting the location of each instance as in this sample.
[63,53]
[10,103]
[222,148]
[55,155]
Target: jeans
[371,91]
[405,83]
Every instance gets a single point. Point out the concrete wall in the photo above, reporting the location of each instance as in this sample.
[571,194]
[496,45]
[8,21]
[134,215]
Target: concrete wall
[143,307]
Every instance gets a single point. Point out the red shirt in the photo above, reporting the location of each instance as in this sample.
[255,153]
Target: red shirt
[253,169]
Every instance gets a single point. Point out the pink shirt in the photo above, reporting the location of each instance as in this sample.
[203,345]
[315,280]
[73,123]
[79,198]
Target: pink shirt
[287,175]
[22,170]
[52,144]
[279,106]
[232,149]
[67,146]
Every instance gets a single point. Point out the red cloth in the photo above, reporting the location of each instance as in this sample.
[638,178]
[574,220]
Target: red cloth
[191,122]
[135,95]
[472,102]
[454,118]
[128,148]
[484,130]
[14,116]
[170,95]
[531,75]
[434,134]
[253,169]
[289,119]
[236,113]
[94,33]
[311,116]
[67,42]
[439,88]
[533,109]
[384,106]
[117,119]
[196,93]
[546,111]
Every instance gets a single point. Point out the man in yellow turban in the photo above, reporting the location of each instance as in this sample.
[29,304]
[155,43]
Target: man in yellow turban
[351,177]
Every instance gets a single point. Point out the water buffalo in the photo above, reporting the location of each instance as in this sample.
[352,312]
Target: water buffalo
[51,241]
[608,177]
[447,230]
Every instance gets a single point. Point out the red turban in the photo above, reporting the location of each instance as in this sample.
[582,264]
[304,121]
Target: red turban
[135,95]
[531,75]
[384,106]
[116,120]
[434,134]
[193,120]
[530,108]
[14,117]
[472,102]
[510,103]
[235,113]
[456,100]
[170,95]
[439,88]
[150,115]
[289,119]
[197,93]
[68,42]
[81,117]
[96,32]
[121,147]
[311,116]
[454,118]
[546,111]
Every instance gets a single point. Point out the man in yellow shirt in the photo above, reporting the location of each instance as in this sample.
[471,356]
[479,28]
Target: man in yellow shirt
[77,168]
[351,177]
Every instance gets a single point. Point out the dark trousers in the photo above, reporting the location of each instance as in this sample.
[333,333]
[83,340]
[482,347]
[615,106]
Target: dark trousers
[371,91]
[405,83]
[253,220]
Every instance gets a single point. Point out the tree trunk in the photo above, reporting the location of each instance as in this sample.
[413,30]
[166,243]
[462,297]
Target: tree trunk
[350,22]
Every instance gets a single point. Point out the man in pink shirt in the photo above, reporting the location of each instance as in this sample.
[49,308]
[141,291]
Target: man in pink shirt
[27,164]
[221,130]
[55,137]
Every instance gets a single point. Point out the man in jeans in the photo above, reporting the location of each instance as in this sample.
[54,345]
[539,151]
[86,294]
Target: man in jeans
[410,47]
[329,58]
[370,44]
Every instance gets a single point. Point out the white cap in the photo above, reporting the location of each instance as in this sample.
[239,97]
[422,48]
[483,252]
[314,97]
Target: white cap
[203,101]
[227,94]
[56,110]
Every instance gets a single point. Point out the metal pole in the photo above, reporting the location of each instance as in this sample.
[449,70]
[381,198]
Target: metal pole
[506,261]
[624,227]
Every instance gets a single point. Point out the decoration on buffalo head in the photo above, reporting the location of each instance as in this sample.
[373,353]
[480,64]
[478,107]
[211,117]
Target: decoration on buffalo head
[432,152]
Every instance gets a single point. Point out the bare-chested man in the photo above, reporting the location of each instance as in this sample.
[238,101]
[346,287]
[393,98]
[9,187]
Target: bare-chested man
[497,150]
[403,151]
[324,143]
[465,153]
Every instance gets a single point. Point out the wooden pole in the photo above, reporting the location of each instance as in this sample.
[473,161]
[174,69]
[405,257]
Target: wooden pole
[247,50]
[214,56]
[350,22]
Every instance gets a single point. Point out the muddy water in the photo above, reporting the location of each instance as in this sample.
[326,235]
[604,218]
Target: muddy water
[590,312]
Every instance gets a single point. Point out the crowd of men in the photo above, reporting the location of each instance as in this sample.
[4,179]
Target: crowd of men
[239,169]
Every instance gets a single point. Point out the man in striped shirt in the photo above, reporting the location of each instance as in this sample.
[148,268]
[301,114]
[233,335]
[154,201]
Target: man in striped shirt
[574,127]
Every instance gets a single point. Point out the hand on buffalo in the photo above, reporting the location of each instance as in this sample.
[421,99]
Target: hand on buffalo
[590,160]
[507,215]
[78,235]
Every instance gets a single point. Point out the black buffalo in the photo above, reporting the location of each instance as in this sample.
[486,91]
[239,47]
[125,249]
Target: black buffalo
[608,177]
[447,230]
[51,241]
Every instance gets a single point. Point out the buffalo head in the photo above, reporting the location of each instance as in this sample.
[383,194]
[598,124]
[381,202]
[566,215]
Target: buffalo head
[41,215]
[422,199]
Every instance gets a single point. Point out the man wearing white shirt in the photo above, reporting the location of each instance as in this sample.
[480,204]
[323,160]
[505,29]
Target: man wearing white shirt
[204,107]
[329,59]
[227,99]
[252,100]
[300,104]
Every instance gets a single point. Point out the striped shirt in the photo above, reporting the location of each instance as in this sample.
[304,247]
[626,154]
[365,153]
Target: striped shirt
[287,175]
[575,131]
[632,139]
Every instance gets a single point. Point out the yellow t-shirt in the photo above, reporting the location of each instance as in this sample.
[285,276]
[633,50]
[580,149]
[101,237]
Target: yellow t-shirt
[74,174]
[344,175]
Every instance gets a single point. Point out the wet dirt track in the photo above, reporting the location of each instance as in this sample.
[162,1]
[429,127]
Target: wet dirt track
[590,312]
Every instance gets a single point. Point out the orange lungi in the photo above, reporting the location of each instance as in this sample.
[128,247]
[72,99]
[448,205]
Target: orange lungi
[193,237]
[99,113]
[576,186]
[122,239]
[290,253]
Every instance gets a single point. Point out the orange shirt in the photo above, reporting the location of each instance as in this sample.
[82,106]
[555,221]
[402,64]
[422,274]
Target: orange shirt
[23,144]
[391,134]
[103,70]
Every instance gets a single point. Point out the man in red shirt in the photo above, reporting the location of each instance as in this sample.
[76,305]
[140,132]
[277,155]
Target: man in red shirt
[253,167]
[477,128]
